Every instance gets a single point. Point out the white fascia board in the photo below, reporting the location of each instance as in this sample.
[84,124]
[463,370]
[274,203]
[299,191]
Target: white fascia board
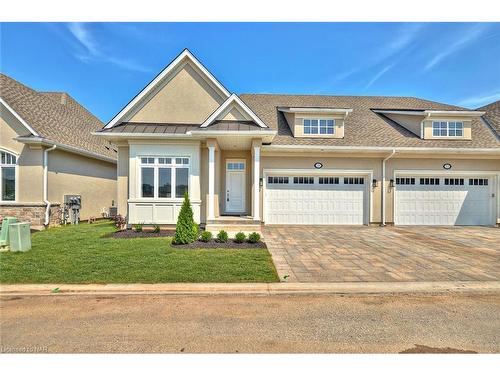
[457,113]
[314,110]
[233,99]
[159,78]
[18,117]
[392,112]
[306,148]
[74,150]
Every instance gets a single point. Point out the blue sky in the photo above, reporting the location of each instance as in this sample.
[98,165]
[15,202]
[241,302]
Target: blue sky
[103,65]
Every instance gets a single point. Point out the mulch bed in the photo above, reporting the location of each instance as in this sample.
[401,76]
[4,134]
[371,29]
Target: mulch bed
[230,244]
[128,233]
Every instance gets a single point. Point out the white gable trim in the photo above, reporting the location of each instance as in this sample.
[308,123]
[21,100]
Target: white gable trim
[19,118]
[229,101]
[159,78]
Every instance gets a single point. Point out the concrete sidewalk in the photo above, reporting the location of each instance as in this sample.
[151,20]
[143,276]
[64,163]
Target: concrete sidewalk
[252,288]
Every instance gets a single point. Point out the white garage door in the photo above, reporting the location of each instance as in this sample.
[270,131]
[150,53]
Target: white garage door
[444,201]
[315,200]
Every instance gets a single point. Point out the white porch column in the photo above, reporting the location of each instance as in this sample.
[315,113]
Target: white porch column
[256,182]
[211,183]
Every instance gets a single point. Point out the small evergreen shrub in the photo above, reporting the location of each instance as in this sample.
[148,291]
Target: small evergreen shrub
[222,236]
[206,236]
[186,230]
[240,237]
[138,228]
[156,229]
[254,237]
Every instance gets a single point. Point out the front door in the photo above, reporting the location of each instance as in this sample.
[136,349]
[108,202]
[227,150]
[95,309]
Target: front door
[235,186]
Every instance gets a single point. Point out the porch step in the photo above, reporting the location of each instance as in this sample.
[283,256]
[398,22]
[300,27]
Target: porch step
[232,229]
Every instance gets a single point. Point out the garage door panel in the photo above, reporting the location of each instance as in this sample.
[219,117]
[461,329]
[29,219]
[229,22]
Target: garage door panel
[315,203]
[443,204]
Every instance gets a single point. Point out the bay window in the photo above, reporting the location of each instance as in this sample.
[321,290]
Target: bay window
[319,126]
[7,176]
[164,177]
[447,129]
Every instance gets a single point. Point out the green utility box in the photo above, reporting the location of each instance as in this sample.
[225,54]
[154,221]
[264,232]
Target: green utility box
[4,232]
[20,237]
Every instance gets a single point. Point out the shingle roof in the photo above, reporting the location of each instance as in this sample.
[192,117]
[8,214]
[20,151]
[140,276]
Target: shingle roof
[492,115]
[363,127]
[56,116]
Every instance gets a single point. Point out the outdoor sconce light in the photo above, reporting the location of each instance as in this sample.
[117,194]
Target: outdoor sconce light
[374,183]
[261,182]
[391,183]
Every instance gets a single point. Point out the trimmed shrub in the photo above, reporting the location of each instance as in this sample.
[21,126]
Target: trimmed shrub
[240,237]
[186,230]
[206,236]
[156,229]
[254,237]
[138,228]
[222,236]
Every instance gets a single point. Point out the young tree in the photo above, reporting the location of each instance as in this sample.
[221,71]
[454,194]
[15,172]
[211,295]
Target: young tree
[186,230]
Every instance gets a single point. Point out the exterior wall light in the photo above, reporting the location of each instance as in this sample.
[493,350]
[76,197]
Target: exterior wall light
[261,182]
[374,183]
[391,183]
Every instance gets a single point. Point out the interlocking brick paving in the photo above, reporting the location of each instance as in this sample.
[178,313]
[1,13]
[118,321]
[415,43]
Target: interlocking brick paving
[372,253]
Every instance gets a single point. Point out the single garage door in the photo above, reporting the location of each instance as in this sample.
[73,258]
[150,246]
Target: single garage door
[444,201]
[315,200]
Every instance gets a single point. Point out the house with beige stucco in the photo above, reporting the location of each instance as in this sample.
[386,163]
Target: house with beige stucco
[47,152]
[255,159]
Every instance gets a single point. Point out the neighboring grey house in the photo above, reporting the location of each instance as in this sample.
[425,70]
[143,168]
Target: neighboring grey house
[48,151]
[299,159]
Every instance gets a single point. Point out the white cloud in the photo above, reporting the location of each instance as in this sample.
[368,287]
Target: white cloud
[471,35]
[404,37]
[94,52]
[379,74]
[480,100]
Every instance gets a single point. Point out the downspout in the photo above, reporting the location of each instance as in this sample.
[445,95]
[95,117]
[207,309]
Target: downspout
[383,186]
[46,183]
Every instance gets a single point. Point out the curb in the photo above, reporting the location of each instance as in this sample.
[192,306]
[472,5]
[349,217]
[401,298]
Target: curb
[248,289]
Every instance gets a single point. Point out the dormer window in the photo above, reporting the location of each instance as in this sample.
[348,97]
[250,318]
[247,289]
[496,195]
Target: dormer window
[447,129]
[319,126]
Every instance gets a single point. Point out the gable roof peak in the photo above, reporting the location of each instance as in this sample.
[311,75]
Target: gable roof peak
[166,72]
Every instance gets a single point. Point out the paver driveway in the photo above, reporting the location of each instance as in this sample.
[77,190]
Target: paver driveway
[370,253]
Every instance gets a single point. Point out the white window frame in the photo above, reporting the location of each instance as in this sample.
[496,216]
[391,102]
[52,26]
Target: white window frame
[156,175]
[318,119]
[447,122]
[16,175]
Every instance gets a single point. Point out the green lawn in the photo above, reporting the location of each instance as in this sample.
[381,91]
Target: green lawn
[78,254]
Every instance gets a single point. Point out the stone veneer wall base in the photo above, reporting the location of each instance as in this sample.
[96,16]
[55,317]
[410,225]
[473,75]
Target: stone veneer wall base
[34,213]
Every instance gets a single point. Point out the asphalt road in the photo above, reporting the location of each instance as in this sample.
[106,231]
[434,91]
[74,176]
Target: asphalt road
[229,324]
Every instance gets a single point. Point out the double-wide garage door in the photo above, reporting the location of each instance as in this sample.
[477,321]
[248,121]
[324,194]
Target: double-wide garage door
[435,200]
[309,200]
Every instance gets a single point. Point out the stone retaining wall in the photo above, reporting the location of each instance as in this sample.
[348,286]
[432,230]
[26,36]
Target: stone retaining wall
[33,213]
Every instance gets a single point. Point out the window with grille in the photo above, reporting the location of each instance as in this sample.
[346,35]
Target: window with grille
[447,129]
[429,181]
[405,181]
[453,181]
[354,180]
[277,180]
[478,181]
[164,177]
[7,176]
[328,180]
[303,180]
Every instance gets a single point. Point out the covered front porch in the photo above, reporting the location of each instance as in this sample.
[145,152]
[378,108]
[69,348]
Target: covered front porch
[231,168]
